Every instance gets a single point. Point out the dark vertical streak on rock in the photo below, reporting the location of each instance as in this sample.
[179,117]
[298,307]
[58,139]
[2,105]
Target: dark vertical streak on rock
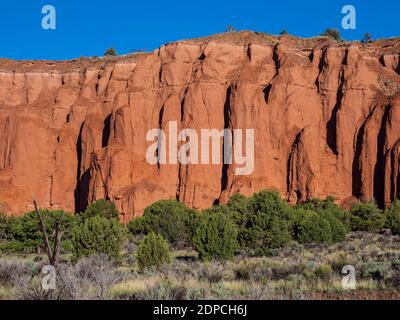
[398,67]
[248,52]
[394,177]
[227,124]
[160,123]
[379,171]
[267,92]
[321,66]
[178,187]
[331,127]
[382,60]
[291,165]
[276,59]
[82,180]
[183,103]
[356,169]
[106,132]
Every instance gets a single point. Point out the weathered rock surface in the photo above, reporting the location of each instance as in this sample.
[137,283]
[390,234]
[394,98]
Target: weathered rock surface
[326,119]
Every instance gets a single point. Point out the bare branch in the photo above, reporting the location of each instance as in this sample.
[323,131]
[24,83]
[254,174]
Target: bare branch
[54,254]
[57,240]
[42,228]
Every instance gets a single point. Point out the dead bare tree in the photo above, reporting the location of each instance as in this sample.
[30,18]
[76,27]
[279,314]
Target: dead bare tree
[52,254]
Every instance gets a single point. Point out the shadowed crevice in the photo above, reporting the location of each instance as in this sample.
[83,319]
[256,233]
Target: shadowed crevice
[183,103]
[382,60]
[267,92]
[290,167]
[160,123]
[106,132]
[321,66]
[227,125]
[379,171]
[82,180]
[331,126]
[275,58]
[356,169]
[394,177]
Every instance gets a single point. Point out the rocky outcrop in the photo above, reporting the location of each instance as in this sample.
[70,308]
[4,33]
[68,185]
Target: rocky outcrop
[326,120]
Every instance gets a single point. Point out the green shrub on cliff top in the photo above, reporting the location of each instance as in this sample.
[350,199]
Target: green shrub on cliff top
[333,34]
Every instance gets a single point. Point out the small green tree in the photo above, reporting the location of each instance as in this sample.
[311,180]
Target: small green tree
[266,233]
[110,52]
[230,28]
[338,219]
[312,228]
[25,233]
[269,226]
[139,226]
[153,252]
[367,38]
[239,211]
[366,216]
[216,237]
[339,230]
[97,234]
[101,208]
[333,34]
[283,33]
[170,218]
[393,217]
[269,202]
[325,207]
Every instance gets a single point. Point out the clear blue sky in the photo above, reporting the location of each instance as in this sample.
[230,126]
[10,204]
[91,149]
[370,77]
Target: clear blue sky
[88,27]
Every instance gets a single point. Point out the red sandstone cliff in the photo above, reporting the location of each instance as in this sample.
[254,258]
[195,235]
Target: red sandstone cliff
[326,119]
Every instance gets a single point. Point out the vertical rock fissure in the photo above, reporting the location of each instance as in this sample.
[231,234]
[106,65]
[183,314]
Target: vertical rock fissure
[178,186]
[276,59]
[331,127]
[398,67]
[321,66]
[267,92]
[106,131]
[5,144]
[394,176]
[248,51]
[160,123]
[379,171]
[382,60]
[356,169]
[291,167]
[182,115]
[78,187]
[182,110]
[227,125]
